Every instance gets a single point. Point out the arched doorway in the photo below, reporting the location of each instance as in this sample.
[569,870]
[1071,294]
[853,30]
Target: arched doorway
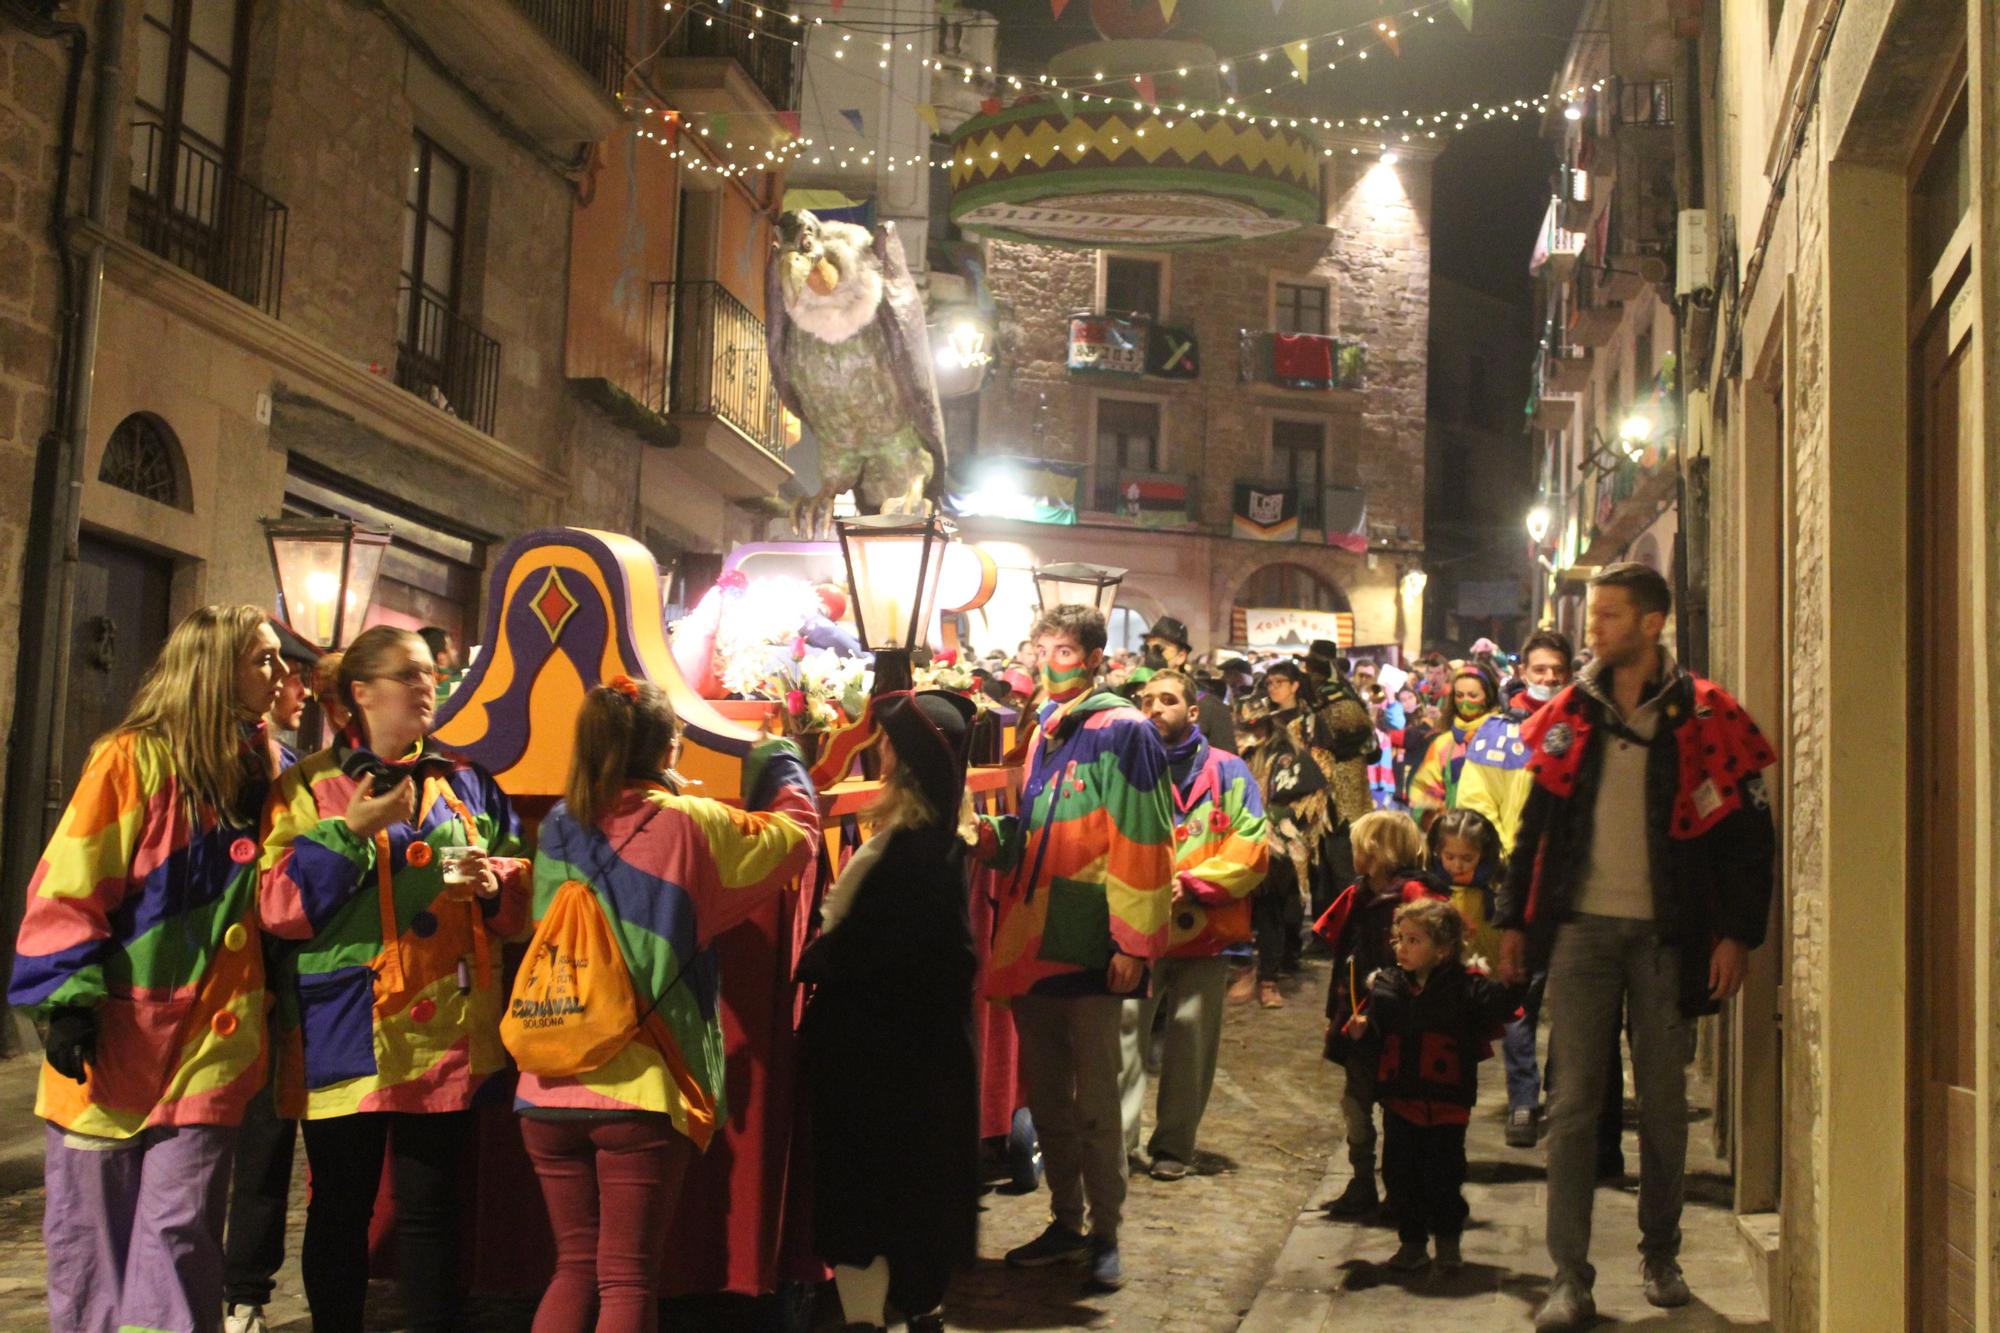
[1324,611]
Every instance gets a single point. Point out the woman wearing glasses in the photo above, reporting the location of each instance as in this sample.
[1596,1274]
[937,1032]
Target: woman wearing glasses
[388,860]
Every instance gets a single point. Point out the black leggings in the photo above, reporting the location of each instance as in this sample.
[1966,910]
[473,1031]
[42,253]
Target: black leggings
[258,1198]
[1276,918]
[1423,1167]
[345,1153]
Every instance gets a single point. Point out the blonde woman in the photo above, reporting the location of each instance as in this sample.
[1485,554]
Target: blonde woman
[138,955]
[396,985]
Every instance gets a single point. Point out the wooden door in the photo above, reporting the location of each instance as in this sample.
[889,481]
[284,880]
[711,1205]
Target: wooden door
[122,596]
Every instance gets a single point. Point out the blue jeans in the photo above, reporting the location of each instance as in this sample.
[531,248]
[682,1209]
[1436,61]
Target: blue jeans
[1517,1049]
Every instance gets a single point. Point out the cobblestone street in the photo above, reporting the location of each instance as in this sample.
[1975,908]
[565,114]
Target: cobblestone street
[1240,1243]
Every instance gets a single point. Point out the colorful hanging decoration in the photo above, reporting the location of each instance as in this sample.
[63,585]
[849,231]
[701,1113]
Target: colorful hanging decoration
[928,114]
[1301,59]
[852,115]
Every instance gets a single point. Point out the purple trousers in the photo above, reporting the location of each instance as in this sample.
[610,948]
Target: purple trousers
[134,1233]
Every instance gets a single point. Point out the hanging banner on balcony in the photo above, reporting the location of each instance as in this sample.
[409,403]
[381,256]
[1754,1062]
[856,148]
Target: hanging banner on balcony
[1300,360]
[1048,172]
[1171,353]
[1154,501]
[1346,511]
[1031,490]
[1283,627]
[1264,514]
[1100,344]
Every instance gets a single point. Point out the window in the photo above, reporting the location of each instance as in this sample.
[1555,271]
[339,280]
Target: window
[433,226]
[1128,438]
[1299,307]
[143,457]
[189,101]
[1298,448]
[1134,286]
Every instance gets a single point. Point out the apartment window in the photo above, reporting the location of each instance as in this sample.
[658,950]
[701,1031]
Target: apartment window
[1134,286]
[1300,307]
[189,102]
[1298,448]
[1128,440]
[433,226]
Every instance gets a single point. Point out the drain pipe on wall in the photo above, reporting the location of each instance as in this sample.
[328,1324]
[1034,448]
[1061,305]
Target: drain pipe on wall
[35,778]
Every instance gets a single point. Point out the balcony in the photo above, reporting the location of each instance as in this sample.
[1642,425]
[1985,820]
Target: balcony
[708,376]
[1596,326]
[553,67]
[446,361]
[1302,360]
[1566,373]
[727,67]
[191,211]
[1145,499]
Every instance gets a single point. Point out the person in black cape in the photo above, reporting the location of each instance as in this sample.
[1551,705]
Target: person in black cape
[891,1074]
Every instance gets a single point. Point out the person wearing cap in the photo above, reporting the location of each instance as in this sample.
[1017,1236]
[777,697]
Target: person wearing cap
[891,1073]
[1219,861]
[1168,645]
[1086,885]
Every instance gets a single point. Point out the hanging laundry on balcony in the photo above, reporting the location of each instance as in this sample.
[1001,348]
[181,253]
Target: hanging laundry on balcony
[1344,513]
[1265,514]
[1171,353]
[1101,344]
[1302,360]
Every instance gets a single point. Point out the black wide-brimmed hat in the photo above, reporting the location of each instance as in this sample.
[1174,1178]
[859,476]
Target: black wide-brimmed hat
[930,729]
[1324,649]
[1173,631]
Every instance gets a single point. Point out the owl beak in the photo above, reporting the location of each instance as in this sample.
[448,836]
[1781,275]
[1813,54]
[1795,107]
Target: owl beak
[823,277]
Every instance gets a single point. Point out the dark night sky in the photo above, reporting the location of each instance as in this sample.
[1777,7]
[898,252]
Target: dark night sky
[1491,184]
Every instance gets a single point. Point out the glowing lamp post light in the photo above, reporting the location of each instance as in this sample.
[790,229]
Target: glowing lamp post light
[893,563]
[326,570]
[1539,519]
[1072,583]
[1634,434]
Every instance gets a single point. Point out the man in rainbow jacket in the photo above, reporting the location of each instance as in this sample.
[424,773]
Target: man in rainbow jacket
[1087,875]
[1219,861]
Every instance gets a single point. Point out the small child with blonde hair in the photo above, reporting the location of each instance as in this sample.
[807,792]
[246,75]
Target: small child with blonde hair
[1388,857]
[1427,1022]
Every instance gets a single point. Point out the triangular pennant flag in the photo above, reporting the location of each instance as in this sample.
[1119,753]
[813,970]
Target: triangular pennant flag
[929,116]
[989,106]
[1394,43]
[1301,60]
[1277,6]
[1056,7]
[837,4]
[1147,93]
[790,120]
[852,116]
[1463,8]
[1229,77]
[1167,8]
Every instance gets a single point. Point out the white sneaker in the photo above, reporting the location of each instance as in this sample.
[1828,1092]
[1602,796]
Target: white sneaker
[244,1319]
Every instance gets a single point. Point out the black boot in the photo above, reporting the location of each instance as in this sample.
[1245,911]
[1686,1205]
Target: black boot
[927,1323]
[1359,1200]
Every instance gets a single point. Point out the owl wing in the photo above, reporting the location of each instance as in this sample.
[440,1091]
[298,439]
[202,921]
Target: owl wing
[901,319]
[777,331]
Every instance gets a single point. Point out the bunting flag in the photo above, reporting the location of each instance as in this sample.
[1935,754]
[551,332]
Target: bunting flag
[1265,514]
[852,116]
[927,114]
[1463,9]
[1056,7]
[1277,6]
[1167,8]
[1147,92]
[1394,42]
[790,120]
[718,125]
[989,106]
[1301,59]
[837,4]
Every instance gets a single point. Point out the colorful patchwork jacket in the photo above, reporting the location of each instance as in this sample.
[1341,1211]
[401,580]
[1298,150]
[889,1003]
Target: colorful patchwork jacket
[146,915]
[1092,861]
[1220,853]
[393,1001]
[671,873]
[1434,786]
[1495,779]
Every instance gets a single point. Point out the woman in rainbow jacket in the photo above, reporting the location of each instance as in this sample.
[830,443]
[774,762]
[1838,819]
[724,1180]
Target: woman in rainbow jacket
[386,859]
[653,876]
[138,955]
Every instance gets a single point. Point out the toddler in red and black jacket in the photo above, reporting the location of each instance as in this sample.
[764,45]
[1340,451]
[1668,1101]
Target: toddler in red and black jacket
[1431,1020]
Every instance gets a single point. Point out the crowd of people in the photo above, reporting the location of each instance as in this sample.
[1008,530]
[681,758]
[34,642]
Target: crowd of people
[229,946]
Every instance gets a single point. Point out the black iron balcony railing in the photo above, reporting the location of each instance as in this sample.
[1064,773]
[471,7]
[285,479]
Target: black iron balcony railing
[192,211]
[765,59]
[444,360]
[590,32]
[711,359]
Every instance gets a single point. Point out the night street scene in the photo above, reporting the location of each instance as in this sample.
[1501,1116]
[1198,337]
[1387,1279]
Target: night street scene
[1188,666]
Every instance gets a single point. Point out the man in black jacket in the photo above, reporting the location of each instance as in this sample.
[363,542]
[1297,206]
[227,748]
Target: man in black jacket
[1168,647]
[1641,875]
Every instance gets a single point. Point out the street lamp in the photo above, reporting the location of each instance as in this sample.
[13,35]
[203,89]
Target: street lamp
[1075,584]
[326,570]
[1414,583]
[893,563]
[1634,434]
[1539,518]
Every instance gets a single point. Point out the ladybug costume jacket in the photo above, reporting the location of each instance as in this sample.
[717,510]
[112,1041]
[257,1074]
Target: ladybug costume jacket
[1432,1039]
[1709,836]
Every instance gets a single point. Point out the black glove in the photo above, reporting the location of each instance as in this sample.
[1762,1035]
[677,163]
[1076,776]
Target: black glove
[71,1040]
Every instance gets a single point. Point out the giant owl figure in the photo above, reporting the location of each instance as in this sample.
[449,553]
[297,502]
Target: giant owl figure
[850,357]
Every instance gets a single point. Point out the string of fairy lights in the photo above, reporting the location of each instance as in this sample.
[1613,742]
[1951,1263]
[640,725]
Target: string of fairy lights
[699,140]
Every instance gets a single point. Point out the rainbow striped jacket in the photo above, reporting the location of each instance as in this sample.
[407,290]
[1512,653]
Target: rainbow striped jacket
[386,1006]
[1219,854]
[148,916]
[671,873]
[1092,861]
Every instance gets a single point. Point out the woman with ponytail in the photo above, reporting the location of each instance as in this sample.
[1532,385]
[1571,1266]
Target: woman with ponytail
[669,873]
[387,859]
[138,957]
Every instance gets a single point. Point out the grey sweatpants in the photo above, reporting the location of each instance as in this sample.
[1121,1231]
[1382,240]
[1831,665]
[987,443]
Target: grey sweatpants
[1191,990]
[1603,964]
[1069,1054]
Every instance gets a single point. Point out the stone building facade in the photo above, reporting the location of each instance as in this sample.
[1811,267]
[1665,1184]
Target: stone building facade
[355,266]
[1841,396]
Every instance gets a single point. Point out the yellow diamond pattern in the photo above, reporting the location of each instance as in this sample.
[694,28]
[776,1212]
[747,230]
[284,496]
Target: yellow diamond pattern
[1226,144]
